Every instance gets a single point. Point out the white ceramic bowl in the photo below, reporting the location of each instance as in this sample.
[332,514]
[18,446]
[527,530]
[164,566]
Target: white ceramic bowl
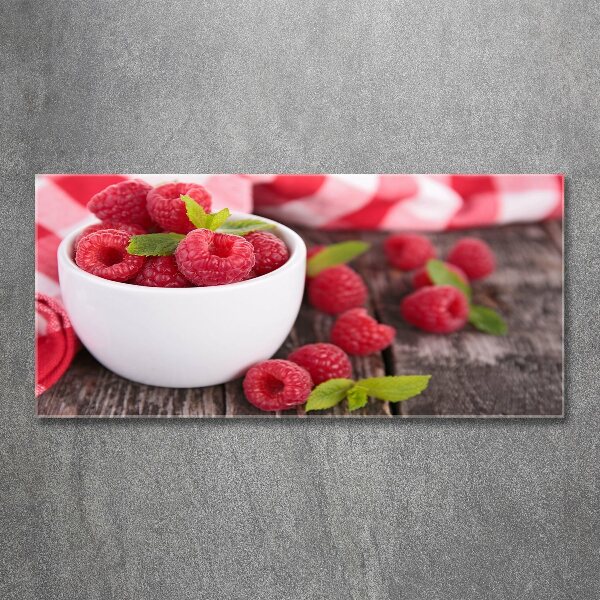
[187,337]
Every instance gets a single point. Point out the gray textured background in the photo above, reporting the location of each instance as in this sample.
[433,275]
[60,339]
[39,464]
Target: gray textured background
[250,509]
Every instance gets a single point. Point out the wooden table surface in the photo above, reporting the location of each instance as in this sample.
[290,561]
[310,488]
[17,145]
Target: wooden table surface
[473,374]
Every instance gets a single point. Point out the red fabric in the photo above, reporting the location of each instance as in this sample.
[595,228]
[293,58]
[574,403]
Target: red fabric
[55,342]
[83,187]
[374,202]
[46,245]
[408,202]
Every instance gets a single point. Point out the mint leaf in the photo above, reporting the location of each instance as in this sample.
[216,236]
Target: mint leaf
[244,226]
[154,244]
[336,254]
[483,318]
[487,320]
[440,275]
[215,220]
[395,388]
[357,398]
[328,394]
[196,214]
[200,218]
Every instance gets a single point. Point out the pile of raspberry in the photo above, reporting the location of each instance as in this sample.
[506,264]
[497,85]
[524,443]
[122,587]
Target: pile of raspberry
[202,258]
[341,292]
[438,308]
[338,291]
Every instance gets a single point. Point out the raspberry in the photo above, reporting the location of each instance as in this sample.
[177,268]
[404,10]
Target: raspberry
[437,309]
[123,202]
[277,385]
[209,258]
[357,333]
[322,361]
[104,254]
[421,278]
[168,210]
[161,271]
[474,257]
[336,290]
[270,252]
[408,251]
[132,229]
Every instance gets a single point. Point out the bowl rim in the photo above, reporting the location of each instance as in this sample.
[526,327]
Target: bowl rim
[297,249]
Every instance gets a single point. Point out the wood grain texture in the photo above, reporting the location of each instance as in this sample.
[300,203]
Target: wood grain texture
[473,374]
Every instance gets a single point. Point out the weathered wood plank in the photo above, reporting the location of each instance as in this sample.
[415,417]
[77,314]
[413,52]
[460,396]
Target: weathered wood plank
[89,390]
[554,230]
[473,373]
[478,374]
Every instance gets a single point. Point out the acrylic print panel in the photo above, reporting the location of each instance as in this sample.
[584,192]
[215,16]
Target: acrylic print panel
[186,284]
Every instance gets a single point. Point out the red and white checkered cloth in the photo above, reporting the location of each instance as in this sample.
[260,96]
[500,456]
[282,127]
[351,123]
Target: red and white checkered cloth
[374,202]
[408,202]
[55,342]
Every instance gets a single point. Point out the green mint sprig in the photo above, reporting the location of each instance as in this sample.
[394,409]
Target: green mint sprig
[244,226]
[440,274]
[165,244]
[481,317]
[335,254]
[357,397]
[487,319]
[220,221]
[395,388]
[328,394]
[154,244]
[200,218]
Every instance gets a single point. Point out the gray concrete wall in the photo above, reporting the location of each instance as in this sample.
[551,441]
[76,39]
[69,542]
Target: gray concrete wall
[296,510]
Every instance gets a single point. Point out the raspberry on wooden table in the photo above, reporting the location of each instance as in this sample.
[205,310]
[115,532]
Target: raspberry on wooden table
[323,362]
[336,290]
[104,254]
[474,257]
[270,252]
[421,277]
[407,251]
[123,202]
[129,228]
[168,210]
[436,309]
[277,385]
[209,258]
[161,271]
[357,333]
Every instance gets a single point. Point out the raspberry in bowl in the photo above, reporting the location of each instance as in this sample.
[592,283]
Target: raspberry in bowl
[181,336]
